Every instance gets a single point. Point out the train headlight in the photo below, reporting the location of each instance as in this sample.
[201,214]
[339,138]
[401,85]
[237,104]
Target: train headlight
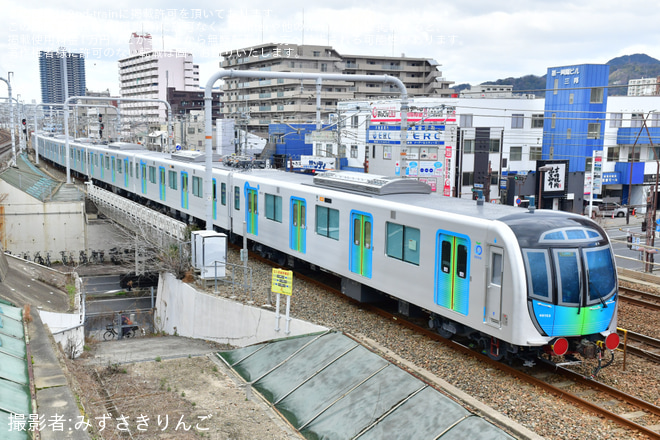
[612,340]
[560,347]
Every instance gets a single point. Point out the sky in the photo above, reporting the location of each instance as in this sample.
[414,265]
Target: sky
[473,40]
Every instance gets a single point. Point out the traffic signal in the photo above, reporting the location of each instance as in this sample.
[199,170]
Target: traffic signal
[100,117]
[102,127]
[24,122]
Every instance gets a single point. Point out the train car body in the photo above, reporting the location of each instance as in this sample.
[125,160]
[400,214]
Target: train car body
[516,281]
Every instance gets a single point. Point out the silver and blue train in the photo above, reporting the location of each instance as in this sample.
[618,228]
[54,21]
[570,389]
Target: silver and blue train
[518,282]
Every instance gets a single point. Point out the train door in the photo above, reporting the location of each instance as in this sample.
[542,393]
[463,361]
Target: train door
[161,182]
[297,232]
[251,213]
[569,318]
[143,176]
[184,190]
[493,310]
[126,171]
[361,245]
[113,166]
[215,201]
[452,271]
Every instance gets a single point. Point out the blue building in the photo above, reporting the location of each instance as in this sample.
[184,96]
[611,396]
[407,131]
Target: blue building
[575,114]
[52,78]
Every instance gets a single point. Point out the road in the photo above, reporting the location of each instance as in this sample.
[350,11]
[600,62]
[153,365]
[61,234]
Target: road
[626,258]
[101,284]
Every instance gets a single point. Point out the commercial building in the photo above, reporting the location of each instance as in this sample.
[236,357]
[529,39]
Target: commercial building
[264,101]
[52,68]
[502,143]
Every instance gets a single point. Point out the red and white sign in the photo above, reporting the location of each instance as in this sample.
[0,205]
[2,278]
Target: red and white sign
[391,113]
[447,187]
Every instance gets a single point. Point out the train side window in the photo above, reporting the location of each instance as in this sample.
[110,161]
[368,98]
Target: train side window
[539,282]
[403,243]
[197,186]
[223,194]
[274,207]
[461,261]
[446,256]
[171,178]
[237,198]
[496,271]
[394,246]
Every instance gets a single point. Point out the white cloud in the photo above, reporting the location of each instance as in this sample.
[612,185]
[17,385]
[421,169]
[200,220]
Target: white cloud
[473,40]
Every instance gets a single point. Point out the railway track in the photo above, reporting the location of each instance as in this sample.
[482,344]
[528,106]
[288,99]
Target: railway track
[639,298]
[627,411]
[641,345]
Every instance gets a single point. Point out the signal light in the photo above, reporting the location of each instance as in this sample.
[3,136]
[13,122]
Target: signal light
[612,340]
[102,126]
[23,121]
[560,347]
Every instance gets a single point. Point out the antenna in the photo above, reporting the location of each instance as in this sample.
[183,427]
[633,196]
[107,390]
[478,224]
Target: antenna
[303,27]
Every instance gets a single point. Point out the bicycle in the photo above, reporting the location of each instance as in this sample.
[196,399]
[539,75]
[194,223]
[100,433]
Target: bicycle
[111,333]
[38,258]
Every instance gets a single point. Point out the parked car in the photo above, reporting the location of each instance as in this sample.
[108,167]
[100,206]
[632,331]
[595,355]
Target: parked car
[605,209]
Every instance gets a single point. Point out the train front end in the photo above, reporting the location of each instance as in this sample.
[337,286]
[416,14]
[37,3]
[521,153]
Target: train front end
[572,285]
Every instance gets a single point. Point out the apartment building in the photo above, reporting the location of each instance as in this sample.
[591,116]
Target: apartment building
[265,101]
[147,74]
[52,68]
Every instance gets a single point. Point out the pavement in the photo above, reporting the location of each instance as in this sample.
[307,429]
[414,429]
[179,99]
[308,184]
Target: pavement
[127,351]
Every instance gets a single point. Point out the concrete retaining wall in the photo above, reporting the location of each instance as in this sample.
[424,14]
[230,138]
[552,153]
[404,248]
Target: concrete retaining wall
[67,331]
[183,310]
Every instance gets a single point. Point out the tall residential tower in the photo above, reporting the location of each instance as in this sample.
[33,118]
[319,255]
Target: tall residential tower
[52,66]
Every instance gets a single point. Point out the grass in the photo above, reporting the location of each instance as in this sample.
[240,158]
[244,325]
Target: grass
[71,291]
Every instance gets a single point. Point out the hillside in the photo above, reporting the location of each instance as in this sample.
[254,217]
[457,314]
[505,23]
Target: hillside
[627,67]
[622,69]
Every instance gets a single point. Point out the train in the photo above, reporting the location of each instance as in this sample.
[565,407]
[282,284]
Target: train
[519,283]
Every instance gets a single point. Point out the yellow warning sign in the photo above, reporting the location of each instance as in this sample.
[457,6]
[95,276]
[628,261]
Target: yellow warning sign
[282,281]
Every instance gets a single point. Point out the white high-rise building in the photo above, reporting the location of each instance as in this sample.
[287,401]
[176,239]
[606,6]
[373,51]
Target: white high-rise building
[147,73]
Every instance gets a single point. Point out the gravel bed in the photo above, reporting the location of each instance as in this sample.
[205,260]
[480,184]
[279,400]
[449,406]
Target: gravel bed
[533,408]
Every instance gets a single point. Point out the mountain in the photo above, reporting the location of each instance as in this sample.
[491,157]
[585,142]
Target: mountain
[627,67]
[622,69]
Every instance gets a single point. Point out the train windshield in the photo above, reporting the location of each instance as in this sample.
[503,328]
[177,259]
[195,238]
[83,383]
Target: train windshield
[567,264]
[570,264]
[601,274]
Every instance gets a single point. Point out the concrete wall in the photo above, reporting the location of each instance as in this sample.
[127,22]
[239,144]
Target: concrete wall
[183,310]
[67,330]
[27,224]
